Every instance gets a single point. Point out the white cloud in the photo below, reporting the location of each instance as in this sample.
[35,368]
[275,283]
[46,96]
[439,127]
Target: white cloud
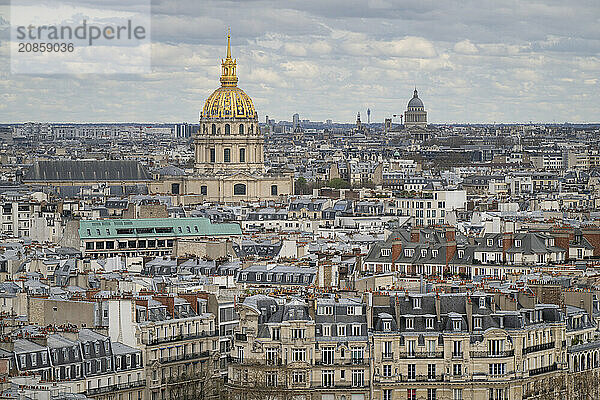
[465,47]
[330,59]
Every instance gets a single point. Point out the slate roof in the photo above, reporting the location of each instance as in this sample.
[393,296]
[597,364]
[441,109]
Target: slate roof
[87,171]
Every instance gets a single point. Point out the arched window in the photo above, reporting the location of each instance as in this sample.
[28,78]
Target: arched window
[241,129]
[242,155]
[239,189]
[214,129]
[227,129]
[203,190]
[273,190]
[227,155]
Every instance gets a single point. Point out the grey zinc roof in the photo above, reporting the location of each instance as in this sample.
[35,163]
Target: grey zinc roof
[87,171]
[26,346]
[120,348]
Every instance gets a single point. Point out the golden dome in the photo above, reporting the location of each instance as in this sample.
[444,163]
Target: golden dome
[228,101]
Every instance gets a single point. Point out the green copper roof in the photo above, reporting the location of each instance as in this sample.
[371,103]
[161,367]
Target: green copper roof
[154,227]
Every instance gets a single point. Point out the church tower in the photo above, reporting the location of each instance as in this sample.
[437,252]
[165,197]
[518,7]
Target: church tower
[229,139]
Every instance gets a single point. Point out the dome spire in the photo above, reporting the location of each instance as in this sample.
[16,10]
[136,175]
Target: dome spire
[229,44]
[228,76]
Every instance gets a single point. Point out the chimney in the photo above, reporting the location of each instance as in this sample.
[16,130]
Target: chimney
[450,243]
[469,310]
[507,243]
[415,234]
[396,251]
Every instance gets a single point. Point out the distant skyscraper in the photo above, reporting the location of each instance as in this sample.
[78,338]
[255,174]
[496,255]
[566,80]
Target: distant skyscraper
[368,115]
[296,119]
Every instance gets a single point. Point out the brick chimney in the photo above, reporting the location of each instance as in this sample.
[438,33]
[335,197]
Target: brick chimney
[415,234]
[507,243]
[450,234]
[396,251]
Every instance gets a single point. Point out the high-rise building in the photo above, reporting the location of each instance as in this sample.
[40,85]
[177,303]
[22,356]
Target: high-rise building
[296,119]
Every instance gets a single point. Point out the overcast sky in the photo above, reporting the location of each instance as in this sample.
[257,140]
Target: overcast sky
[472,61]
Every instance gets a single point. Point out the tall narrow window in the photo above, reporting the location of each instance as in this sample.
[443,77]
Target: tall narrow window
[214,129]
[213,155]
[242,155]
[227,155]
[241,129]
[227,129]
[273,190]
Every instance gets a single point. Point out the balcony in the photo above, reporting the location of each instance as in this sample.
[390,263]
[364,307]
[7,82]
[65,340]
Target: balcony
[538,347]
[421,354]
[387,356]
[487,354]
[543,370]
[406,378]
[353,361]
[115,387]
[182,357]
[181,337]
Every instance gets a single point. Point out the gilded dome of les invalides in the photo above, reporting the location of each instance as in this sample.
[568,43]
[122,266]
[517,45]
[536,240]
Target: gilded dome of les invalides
[228,101]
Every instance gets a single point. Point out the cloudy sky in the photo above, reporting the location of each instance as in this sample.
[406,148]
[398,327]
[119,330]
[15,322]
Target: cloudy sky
[472,61]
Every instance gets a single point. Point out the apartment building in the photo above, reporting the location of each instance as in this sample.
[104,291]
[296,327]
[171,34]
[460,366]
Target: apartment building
[144,236]
[306,349]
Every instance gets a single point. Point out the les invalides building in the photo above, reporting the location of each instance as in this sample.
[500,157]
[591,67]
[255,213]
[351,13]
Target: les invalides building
[229,154]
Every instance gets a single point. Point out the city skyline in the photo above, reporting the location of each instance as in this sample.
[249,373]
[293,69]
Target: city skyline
[498,63]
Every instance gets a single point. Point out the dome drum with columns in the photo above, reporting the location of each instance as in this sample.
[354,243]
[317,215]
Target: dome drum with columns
[229,137]
[415,114]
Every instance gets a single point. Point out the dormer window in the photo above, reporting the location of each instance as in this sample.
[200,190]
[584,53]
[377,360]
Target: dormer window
[410,323]
[518,243]
[429,323]
[409,252]
[499,242]
[456,325]
[490,242]
[417,302]
[387,326]
[481,302]
[386,252]
[424,253]
[461,253]
[434,253]
[477,323]
[258,276]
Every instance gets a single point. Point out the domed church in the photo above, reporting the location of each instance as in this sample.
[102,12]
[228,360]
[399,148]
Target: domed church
[415,114]
[228,148]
